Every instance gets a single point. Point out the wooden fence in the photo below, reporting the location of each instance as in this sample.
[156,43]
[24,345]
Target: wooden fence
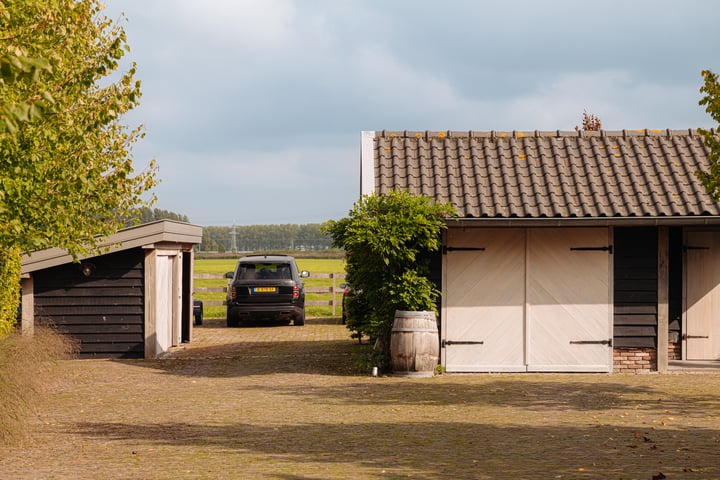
[329,293]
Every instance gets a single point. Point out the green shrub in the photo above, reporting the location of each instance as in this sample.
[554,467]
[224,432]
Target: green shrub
[385,237]
[9,289]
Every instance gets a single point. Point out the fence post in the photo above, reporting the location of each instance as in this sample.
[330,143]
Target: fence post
[332,275]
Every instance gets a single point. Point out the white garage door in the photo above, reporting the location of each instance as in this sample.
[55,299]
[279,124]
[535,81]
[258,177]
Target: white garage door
[701,335]
[164,305]
[485,295]
[569,323]
[527,300]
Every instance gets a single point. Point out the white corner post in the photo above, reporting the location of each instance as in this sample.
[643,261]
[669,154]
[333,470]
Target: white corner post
[28,305]
[367,163]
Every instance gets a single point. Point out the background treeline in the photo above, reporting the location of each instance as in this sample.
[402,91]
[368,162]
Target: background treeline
[147,215]
[252,238]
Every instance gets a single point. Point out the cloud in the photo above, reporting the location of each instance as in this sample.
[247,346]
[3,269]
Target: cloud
[559,104]
[260,23]
[290,185]
[238,91]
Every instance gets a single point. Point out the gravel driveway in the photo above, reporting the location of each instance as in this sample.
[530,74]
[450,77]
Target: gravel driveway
[286,402]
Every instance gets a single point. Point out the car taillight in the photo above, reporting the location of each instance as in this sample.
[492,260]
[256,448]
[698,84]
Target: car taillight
[296,292]
[233,292]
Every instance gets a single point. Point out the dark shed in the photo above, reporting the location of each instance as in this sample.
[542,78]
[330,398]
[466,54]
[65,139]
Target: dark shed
[134,301]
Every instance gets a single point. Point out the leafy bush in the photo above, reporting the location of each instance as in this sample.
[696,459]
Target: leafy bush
[385,237]
[9,288]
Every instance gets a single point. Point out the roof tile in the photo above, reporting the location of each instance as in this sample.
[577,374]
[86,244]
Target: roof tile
[553,174]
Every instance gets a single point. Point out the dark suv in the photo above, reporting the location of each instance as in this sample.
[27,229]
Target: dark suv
[266,287]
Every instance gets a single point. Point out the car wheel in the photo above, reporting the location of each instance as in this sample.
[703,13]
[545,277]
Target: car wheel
[198,319]
[299,320]
[232,320]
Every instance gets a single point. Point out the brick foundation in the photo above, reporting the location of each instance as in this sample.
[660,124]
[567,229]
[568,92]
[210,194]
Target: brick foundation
[674,351]
[634,360]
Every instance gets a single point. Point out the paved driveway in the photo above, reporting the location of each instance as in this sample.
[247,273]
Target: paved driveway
[287,403]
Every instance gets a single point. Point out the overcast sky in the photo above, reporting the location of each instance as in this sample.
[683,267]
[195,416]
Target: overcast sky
[253,108]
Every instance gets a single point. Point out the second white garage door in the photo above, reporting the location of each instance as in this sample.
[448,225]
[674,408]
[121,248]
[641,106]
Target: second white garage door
[527,300]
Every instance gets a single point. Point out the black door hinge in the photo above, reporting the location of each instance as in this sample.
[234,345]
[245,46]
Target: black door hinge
[446,343]
[607,248]
[445,249]
[591,342]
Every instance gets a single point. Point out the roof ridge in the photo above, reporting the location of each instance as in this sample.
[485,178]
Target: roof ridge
[539,133]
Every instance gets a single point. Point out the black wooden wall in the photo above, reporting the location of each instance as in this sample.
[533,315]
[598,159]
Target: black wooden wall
[104,311]
[635,257]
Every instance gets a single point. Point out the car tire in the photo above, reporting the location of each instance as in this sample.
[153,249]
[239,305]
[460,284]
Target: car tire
[199,319]
[299,320]
[232,320]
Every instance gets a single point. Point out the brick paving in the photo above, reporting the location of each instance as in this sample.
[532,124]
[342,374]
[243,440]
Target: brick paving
[213,335]
[287,403]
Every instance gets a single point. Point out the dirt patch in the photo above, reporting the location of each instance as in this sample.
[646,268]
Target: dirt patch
[285,402]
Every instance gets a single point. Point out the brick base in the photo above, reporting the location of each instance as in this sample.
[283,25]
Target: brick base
[674,351]
[634,360]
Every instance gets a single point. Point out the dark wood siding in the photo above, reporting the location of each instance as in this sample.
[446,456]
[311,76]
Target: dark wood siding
[104,311]
[635,287]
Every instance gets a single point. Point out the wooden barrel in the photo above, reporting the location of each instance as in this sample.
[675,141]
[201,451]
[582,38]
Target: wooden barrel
[414,343]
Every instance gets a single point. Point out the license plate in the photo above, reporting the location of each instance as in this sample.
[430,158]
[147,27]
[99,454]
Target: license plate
[264,289]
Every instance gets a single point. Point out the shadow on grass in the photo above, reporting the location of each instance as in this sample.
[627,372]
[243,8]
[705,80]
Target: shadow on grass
[433,450]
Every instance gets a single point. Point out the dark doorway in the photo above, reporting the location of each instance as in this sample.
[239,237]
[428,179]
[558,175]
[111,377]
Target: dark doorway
[186,297]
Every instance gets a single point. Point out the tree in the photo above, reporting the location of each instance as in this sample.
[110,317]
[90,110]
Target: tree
[66,172]
[147,215]
[711,100]
[385,237]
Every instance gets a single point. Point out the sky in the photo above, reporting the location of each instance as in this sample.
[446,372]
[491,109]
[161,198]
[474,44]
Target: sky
[253,109]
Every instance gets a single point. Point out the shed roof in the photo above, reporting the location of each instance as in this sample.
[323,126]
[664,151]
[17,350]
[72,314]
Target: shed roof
[147,235]
[564,176]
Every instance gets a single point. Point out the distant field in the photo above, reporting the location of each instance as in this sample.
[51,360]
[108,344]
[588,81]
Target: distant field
[220,266]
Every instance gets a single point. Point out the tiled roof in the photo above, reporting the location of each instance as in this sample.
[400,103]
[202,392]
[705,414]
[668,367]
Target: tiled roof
[555,174]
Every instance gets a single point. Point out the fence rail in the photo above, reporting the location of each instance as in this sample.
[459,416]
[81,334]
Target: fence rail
[330,292]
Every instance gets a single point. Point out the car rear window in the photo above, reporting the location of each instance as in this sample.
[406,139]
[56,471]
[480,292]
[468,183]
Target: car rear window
[261,271]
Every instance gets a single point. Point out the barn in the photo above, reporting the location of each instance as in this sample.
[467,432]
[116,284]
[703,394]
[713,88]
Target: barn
[574,251]
[134,300]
